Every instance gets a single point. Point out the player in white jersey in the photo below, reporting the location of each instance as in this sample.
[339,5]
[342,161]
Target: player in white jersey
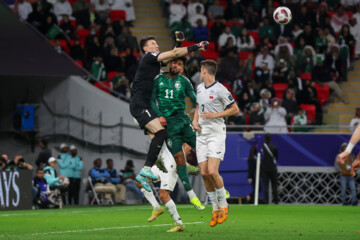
[168,182]
[214,103]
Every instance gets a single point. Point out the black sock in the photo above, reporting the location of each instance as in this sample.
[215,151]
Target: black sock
[155,147]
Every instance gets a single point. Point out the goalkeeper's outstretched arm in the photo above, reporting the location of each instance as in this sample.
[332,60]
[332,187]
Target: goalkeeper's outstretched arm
[179,52]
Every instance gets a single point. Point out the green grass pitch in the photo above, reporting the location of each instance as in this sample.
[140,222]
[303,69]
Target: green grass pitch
[130,222]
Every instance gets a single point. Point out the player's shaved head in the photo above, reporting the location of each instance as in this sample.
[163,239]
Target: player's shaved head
[210,66]
[143,42]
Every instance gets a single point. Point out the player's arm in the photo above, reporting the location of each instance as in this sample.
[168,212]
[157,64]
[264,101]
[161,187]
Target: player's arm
[353,141]
[189,90]
[195,122]
[229,111]
[179,52]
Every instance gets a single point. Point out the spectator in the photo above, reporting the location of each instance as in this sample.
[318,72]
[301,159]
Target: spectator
[3,162]
[128,7]
[98,71]
[76,51]
[275,118]
[345,177]
[49,21]
[348,37]
[283,43]
[20,162]
[61,8]
[269,168]
[233,10]
[80,5]
[87,17]
[113,62]
[334,61]
[185,27]
[244,103]
[267,30]
[67,28]
[192,7]
[349,5]
[102,180]
[265,62]
[284,30]
[308,59]
[115,179]
[251,21]
[252,92]
[308,35]
[215,10]
[177,11]
[44,154]
[109,41]
[193,19]
[230,45]
[305,17]
[126,40]
[102,7]
[230,68]
[354,123]
[11,166]
[281,72]
[252,172]
[130,64]
[330,38]
[65,164]
[75,182]
[357,14]
[245,41]
[296,31]
[322,74]
[40,183]
[36,17]
[50,174]
[256,116]
[225,35]
[24,9]
[236,27]
[217,29]
[321,42]
[265,98]
[289,103]
[355,31]
[300,120]
[321,14]
[339,19]
[201,32]
[122,86]
[128,178]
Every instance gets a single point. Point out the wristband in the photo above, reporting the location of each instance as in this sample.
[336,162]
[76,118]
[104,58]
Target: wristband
[349,147]
[192,48]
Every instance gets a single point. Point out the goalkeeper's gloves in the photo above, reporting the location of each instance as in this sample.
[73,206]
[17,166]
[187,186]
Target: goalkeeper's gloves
[180,36]
[203,45]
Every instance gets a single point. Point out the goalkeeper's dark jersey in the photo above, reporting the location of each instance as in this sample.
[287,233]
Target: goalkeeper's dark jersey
[170,94]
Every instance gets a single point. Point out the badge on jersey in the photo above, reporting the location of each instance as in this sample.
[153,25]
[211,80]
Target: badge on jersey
[230,98]
[177,85]
[211,97]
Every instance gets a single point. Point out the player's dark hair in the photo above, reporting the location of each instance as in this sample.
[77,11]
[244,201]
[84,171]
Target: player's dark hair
[143,42]
[109,160]
[210,65]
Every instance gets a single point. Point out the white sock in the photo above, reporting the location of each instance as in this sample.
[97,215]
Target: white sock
[151,198]
[191,194]
[171,207]
[221,197]
[214,200]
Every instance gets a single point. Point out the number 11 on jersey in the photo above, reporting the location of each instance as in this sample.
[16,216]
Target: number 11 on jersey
[171,93]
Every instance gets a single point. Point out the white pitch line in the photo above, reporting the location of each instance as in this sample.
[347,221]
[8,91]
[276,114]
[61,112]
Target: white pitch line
[95,229]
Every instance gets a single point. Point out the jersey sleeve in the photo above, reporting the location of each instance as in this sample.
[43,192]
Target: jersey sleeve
[151,57]
[154,97]
[190,91]
[226,97]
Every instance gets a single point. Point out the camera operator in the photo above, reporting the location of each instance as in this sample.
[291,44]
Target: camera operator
[22,165]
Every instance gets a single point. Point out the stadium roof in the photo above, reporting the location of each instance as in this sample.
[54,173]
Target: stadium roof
[25,52]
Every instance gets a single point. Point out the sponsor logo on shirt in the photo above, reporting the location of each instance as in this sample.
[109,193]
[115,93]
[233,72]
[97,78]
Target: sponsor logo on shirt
[161,83]
[177,85]
[211,97]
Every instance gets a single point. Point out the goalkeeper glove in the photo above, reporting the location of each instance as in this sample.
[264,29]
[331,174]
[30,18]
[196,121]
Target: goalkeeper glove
[203,45]
[180,36]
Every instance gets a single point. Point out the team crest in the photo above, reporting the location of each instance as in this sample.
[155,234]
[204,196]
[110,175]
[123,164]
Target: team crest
[177,85]
[230,98]
[169,143]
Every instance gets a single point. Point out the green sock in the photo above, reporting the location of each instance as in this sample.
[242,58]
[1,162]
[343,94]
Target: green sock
[181,171]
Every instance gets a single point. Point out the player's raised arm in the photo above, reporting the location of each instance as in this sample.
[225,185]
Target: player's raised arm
[195,122]
[355,138]
[182,51]
[190,92]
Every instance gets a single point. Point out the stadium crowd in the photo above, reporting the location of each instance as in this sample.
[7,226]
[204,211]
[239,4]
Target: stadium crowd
[274,71]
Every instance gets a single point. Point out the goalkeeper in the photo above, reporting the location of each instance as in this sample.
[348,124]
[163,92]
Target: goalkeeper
[169,92]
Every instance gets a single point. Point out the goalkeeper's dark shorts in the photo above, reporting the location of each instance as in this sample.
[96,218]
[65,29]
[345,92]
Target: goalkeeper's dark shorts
[179,130]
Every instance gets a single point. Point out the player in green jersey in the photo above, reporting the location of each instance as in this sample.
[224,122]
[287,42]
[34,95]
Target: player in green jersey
[169,93]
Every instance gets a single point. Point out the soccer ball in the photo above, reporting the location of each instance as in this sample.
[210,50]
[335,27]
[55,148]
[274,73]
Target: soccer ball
[65,182]
[282,15]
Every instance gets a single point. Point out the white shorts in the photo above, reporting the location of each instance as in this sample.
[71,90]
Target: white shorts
[168,180]
[210,142]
